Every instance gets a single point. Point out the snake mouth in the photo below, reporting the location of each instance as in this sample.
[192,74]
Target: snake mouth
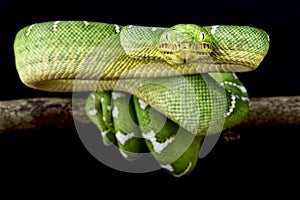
[185,52]
[200,49]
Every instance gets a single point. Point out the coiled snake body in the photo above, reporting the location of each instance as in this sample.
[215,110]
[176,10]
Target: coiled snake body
[181,79]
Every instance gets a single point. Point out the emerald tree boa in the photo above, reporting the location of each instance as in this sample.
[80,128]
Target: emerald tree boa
[153,89]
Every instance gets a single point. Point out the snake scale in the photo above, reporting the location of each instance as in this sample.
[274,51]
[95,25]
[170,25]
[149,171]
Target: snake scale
[153,89]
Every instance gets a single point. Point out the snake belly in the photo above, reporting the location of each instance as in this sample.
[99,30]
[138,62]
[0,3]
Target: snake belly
[153,89]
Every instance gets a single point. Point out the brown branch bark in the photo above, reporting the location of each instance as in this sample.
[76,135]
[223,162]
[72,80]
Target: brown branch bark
[42,113]
[283,110]
[268,111]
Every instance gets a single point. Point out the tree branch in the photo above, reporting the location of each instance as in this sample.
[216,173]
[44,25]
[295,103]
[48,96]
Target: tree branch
[268,111]
[41,113]
[44,113]
[283,110]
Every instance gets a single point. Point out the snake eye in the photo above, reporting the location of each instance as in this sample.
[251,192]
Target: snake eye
[201,36]
[168,36]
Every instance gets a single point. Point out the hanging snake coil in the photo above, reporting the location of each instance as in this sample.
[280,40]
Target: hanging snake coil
[153,89]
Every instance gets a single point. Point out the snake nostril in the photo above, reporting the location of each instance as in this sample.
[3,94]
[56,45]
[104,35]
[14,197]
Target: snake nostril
[185,46]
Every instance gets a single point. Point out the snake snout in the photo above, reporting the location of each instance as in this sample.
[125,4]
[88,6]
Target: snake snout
[184,46]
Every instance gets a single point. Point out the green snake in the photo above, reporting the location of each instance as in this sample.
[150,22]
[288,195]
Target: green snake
[153,89]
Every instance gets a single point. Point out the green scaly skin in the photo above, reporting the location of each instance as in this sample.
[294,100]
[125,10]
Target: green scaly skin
[181,79]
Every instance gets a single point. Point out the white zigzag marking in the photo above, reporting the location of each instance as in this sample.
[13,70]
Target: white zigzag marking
[123,138]
[157,146]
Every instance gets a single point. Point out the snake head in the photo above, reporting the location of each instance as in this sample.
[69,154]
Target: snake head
[185,43]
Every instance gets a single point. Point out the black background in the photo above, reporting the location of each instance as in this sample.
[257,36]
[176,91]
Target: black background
[265,155]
